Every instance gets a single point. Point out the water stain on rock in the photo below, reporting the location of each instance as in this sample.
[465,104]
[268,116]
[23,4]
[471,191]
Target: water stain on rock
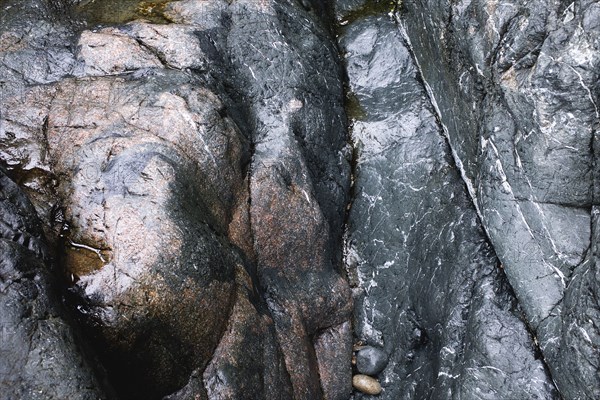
[354,111]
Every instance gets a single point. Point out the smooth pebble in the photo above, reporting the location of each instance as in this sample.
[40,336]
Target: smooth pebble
[366,384]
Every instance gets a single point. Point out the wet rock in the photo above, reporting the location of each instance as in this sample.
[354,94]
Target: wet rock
[141,196]
[147,214]
[299,184]
[506,78]
[247,362]
[370,360]
[195,166]
[366,384]
[34,42]
[41,357]
[433,294]
[144,146]
[35,49]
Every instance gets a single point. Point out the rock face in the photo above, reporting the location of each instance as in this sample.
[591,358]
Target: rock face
[138,182]
[432,292]
[202,216]
[190,165]
[40,356]
[516,87]
[298,185]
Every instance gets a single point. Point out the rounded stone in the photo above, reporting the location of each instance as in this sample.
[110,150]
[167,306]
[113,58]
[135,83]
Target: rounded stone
[366,384]
[371,360]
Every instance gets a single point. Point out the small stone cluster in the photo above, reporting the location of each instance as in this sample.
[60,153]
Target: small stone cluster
[368,361]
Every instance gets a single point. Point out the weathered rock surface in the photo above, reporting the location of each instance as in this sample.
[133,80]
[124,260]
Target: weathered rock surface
[298,183]
[432,292]
[40,357]
[516,84]
[190,166]
[202,215]
[137,164]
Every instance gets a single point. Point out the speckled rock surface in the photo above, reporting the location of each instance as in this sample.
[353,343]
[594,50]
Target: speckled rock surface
[431,291]
[137,172]
[191,168]
[516,84]
[299,184]
[198,177]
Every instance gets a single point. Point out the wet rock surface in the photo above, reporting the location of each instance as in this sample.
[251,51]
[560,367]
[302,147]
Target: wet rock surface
[529,72]
[40,355]
[299,183]
[190,165]
[139,187]
[183,195]
[431,291]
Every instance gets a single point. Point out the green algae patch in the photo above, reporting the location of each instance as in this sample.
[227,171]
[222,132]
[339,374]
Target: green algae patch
[354,111]
[109,12]
[370,8]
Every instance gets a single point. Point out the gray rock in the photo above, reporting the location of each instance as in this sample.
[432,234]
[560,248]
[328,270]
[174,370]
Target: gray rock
[370,360]
[516,88]
[191,162]
[287,68]
[180,158]
[41,356]
[434,296]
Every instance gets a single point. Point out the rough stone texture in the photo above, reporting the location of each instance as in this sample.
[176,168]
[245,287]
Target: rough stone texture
[40,357]
[137,163]
[190,165]
[431,292]
[247,364]
[334,355]
[516,84]
[34,50]
[283,66]
[199,176]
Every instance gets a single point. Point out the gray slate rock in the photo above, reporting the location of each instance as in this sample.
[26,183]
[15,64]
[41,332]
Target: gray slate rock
[516,88]
[40,355]
[432,293]
[370,360]
[219,138]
